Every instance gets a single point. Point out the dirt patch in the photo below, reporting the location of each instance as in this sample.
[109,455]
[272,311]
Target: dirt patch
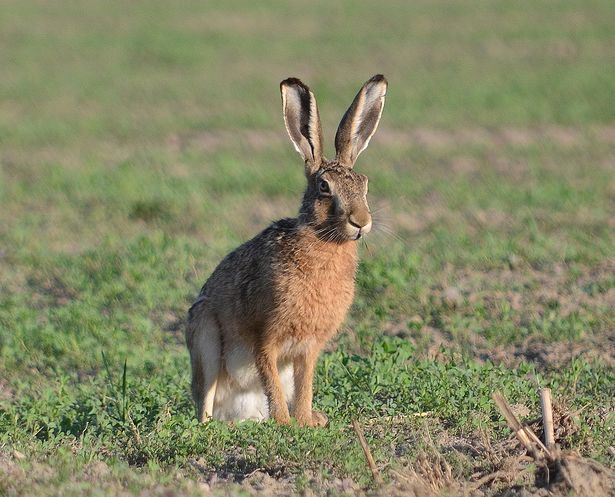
[575,476]
[563,136]
[208,141]
[20,476]
[6,392]
[10,472]
[431,138]
[523,300]
[436,343]
[500,468]
[553,355]
[582,477]
[604,133]
[561,473]
[269,481]
[51,290]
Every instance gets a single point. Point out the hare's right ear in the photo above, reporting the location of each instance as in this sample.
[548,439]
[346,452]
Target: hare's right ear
[360,121]
[302,122]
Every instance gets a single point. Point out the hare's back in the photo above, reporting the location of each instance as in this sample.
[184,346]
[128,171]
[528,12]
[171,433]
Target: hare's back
[243,282]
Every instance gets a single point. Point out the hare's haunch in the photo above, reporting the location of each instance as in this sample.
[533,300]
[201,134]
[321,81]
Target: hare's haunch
[265,313]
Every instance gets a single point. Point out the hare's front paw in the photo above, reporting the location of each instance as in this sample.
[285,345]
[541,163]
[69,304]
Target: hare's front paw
[278,411]
[281,418]
[319,419]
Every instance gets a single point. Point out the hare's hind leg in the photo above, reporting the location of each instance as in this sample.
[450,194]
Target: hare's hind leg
[205,355]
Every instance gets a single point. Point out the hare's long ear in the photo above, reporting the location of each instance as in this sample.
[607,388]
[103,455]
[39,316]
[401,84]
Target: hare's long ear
[302,122]
[360,121]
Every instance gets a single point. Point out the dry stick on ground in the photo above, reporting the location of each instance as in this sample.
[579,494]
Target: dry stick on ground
[547,423]
[368,453]
[547,417]
[588,474]
[514,424]
[524,434]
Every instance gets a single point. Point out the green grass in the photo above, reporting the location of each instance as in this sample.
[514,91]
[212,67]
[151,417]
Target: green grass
[140,143]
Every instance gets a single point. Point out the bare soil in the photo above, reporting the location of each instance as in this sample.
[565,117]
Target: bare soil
[564,136]
[520,295]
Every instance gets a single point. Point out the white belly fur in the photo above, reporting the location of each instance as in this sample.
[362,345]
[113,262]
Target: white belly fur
[239,393]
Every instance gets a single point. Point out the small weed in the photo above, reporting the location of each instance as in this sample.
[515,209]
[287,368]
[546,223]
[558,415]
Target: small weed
[119,398]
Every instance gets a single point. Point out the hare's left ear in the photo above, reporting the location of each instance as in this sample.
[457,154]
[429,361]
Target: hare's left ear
[302,122]
[360,121]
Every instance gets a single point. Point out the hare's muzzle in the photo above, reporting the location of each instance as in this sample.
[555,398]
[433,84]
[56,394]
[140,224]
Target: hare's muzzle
[359,223]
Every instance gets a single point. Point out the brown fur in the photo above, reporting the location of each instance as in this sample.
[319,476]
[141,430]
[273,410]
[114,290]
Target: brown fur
[282,295]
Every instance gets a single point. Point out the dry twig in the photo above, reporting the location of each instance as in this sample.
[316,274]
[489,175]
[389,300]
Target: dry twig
[524,434]
[514,424]
[368,453]
[547,417]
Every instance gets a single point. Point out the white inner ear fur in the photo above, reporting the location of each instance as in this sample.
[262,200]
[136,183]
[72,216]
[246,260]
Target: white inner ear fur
[372,96]
[314,131]
[356,120]
[291,101]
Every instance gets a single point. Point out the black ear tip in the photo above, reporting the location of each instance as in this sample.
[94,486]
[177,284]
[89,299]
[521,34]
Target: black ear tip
[378,78]
[294,82]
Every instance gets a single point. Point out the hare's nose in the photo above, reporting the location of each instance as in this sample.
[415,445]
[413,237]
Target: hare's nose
[361,220]
[352,220]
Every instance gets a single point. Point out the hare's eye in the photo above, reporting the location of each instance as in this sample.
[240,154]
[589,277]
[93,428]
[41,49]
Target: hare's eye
[323,187]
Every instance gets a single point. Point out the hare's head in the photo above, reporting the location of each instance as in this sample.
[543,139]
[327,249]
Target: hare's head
[335,201]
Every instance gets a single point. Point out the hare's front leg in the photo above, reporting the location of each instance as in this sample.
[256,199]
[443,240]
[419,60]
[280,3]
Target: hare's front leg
[267,365]
[303,366]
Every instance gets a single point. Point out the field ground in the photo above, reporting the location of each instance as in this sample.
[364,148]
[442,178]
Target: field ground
[140,143]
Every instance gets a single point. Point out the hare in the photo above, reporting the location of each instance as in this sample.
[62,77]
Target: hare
[262,318]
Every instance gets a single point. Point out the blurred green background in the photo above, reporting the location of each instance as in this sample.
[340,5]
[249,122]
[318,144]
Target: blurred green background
[141,141]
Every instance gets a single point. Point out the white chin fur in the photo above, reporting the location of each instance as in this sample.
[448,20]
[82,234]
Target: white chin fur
[354,233]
